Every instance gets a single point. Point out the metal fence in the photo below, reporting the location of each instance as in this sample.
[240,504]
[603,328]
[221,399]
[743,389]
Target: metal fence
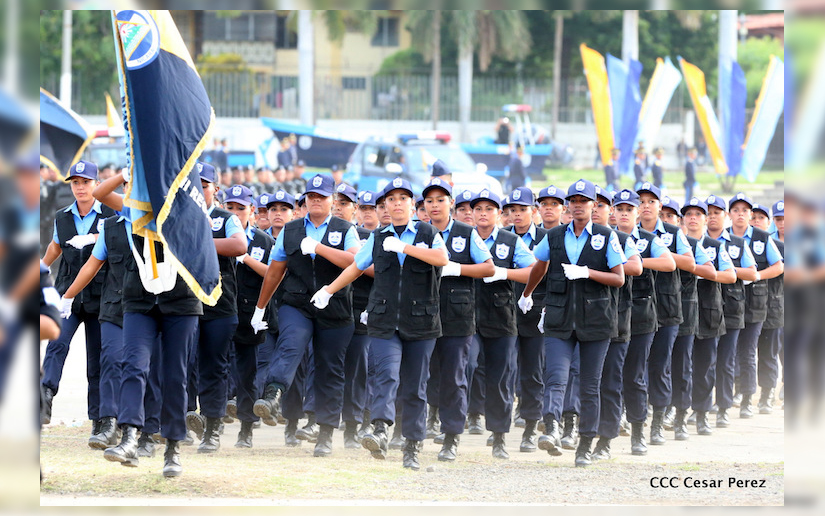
[385,97]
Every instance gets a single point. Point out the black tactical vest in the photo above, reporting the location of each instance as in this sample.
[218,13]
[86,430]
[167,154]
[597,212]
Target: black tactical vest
[528,323]
[690,300]
[776,296]
[404,298]
[624,298]
[361,289]
[585,306]
[756,294]
[496,302]
[643,318]
[668,285]
[457,293]
[733,295]
[227,304]
[73,259]
[118,255]
[709,293]
[306,275]
[249,288]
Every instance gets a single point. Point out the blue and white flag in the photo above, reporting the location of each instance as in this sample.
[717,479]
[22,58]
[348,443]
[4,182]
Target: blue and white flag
[769,106]
[663,83]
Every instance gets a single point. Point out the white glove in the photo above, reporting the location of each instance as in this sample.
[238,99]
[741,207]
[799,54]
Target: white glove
[394,245]
[258,322]
[574,272]
[498,275]
[541,321]
[81,241]
[525,303]
[451,269]
[66,307]
[241,257]
[308,245]
[321,298]
[746,282]
[364,317]
[127,174]
[758,277]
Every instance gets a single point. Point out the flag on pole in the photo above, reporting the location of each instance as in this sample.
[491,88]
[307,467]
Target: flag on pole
[168,118]
[626,101]
[63,134]
[769,106]
[596,73]
[695,80]
[734,122]
[663,83]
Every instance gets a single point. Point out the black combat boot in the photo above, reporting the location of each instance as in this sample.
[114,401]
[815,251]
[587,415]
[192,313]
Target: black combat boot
[171,459]
[245,435]
[211,441]
[350,431]
[702,425]
[583,457]
[570,433]
[411,449]
[146,445]
[126,451]
[657,436]
[376,442]
[499,452]
[397,442]
[268,408]
[310,430]
[433,424]
[637,439]
[195,423]
[449,449]
[291,429]
[474,425]
[106,437]
[550,441]
[745,408]
[680,426]
[602,450]
[323,445]
[528,438]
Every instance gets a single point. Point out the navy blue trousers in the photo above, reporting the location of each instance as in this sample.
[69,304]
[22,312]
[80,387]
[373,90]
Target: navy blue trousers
[434,383]
[299,396]
[725,360]
[177,337]
[355,378]
[634,378]
[452,355]
[746,357]
[572,403]
[244,368]
[214,338]
[559,354]
[265,352]
[660,389]
[111,367]
[58,350]
[404,362]
[704,373]
[152,399]
[499,364]
[475,377]
[531,377]
[682,368]
[329,349]
[767,371]
[610,414]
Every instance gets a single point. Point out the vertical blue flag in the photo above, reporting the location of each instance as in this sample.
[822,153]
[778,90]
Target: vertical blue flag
[789,103]
[167,117]
[626,102]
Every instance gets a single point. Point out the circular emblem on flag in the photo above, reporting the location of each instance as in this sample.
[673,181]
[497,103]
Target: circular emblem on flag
[279,195]
[485,194]
[264,200]
[625,195]
[711,199]
[397,182]
[236,190]
[646,186]
[342,187]
[780,206]
[305,142]
[81,166]
[580,186]
[367,197]
[139,38]
[316,181]
[516,195]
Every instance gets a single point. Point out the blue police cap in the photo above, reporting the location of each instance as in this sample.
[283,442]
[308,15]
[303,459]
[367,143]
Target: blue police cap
[322,184]
[206,171]
[695,202]
[419,200]
[239,194]
[740,197]
[398,184]
[714,200]
[670,202]
[367,198]
[282,197]
[440,169]
[626,196]
[551,191]
[301,200]
[650,188]
[763,209]
[347,191]
[262,200]
[779,209]
[85,169]
[439,183]
[604,194]
[521,196]
[485,195]
[465,196]
[582,187]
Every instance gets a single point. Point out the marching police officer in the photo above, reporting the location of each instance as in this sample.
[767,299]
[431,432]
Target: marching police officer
[580,311]
[551,205]
[463,211]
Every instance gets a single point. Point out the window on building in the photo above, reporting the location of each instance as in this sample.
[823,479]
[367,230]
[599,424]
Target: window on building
[284,36]
[248,26]
[354,83]
[387,33]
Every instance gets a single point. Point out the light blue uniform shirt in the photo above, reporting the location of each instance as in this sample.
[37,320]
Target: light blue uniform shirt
[363,258]
[657,247]
[279,255]
[630,249]
[478,251]
[100,251]
[682,244]
[574,245]
[522,256]
[232,224]
[771,251]
[83,225]
[747,257]
[700,255]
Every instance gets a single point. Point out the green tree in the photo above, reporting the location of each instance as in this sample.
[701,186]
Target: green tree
[754,55]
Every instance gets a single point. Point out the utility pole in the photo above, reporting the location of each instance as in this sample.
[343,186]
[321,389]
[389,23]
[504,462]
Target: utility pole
[306,67]
[12,48]
[630,36]
[66,62]
[557,72]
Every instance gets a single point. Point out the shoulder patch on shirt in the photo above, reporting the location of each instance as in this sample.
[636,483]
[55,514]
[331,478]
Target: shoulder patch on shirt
[101,221]
[615,244]
[759,247]
[217,223]
[723,254]
[597,242]
[478,241]
[458,244]
[334,237]
[734,251]
[257,253]
[683,239]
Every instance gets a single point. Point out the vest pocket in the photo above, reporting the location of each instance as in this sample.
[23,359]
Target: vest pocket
[501,299]
[734,293]
[710,317]
[460,297]
[377,307]
[597,310]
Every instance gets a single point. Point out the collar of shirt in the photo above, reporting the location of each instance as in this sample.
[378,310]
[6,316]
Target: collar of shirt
[448,229]
[531,232]
[492,238]
[660,227]
[588,228]
[749,233]
[73,208]
[250,233]
[410,227]
[724,236]
[307,221]
[209,211]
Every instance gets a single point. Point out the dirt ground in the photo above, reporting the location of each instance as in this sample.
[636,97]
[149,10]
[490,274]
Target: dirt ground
[751,452]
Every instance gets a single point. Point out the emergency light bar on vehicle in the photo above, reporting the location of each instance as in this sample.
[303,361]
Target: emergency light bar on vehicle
[424,136]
